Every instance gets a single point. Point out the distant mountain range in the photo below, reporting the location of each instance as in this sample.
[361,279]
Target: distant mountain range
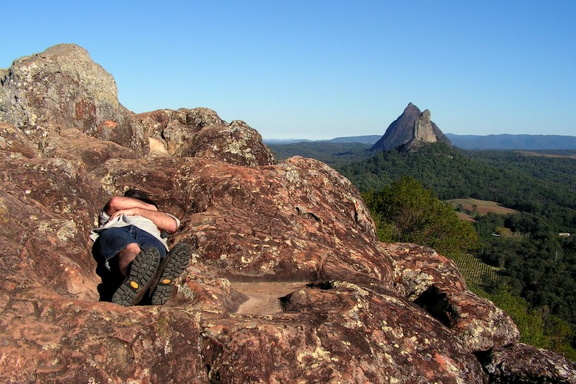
[504,141]
[413,127]
[368,140]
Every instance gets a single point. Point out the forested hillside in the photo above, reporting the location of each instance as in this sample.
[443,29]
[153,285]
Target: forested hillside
[543,186]
[328,152]
[531,253]
[532,142]
[526,181]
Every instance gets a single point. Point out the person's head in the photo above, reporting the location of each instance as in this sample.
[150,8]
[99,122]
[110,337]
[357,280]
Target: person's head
[140,195]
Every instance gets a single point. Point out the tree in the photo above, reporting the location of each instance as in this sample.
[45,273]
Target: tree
[406,211]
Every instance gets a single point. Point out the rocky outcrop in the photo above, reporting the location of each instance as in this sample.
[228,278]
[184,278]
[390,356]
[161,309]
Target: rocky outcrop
[423,129]
[63,88]
[410,130]
[515,364]
[287,281]
[200,132]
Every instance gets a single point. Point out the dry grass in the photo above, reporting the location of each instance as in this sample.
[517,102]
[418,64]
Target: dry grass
[480,207]
[538,154]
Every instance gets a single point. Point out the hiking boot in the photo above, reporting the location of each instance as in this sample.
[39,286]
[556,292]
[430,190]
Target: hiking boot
[139,279]
[170,268]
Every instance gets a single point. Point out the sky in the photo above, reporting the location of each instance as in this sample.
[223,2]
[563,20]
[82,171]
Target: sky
[319,69]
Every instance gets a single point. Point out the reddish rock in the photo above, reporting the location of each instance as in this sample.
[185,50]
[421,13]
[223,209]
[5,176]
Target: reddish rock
[433,282]
[287,281]
[338,332]
[63,88]
[516,364]
[200,132]
[13,143]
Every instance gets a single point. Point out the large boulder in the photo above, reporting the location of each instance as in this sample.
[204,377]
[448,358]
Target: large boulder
[199,132]
[433,282]
[63,88]
[521,363]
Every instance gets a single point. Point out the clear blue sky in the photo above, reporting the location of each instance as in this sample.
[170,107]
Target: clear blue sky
[322,69]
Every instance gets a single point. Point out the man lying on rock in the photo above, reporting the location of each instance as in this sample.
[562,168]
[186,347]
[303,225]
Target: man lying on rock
[131,249]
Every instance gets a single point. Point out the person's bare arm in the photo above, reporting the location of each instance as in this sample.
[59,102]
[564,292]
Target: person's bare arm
[162,220]
[121,205]
[121,202]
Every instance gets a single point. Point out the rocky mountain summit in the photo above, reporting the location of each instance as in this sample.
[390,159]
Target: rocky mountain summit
[410,130]
[287,282]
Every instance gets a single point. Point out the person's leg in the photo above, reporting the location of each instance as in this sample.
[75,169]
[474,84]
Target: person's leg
[138,278]
[134,258]
[146,240]
[109,273]
[126,243]
[113,241]
[106,251]
[126,256]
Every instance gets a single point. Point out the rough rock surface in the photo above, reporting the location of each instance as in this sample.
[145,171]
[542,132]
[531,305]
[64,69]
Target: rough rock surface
[63,88]
[410,130]
[287,282]
[515,364]
[423,130]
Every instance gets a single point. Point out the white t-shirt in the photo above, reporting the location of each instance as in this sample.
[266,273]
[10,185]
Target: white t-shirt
[125,220]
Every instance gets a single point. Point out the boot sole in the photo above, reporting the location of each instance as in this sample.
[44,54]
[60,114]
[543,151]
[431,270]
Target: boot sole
[172,266]
[142,272]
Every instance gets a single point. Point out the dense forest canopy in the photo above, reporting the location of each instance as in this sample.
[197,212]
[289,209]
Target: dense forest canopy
[543,186]
[405,211]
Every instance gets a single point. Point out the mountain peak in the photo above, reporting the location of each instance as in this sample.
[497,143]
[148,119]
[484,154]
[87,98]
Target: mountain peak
[411,107]
[410,130]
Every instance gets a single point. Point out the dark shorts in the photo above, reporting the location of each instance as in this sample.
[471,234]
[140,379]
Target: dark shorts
[113,240]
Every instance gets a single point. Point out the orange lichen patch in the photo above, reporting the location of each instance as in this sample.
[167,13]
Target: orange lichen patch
[109,124]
